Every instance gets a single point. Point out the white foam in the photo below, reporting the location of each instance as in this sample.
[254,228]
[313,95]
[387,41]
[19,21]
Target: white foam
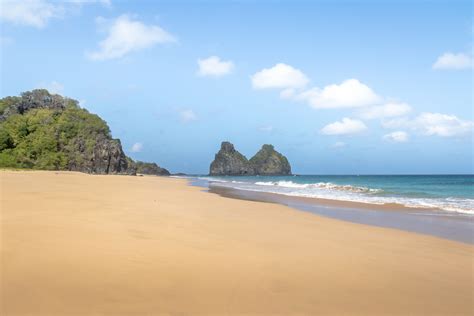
[323,185]
[331,191]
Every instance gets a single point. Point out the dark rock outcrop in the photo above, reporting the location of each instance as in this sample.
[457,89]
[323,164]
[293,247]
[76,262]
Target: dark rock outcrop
[39,130]
[107,157]
[229,161]
[267,161]
[150,168]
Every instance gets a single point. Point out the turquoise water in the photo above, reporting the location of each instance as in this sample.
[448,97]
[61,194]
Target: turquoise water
[451,193]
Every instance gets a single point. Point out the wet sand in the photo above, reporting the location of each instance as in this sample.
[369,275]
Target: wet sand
[76,244]
[434,222]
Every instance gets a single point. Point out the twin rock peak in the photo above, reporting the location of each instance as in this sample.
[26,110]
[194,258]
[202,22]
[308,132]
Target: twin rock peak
[267,161]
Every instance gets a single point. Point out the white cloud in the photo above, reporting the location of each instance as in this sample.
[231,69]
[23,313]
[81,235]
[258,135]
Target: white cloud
[338,145]
[350,93]
[450,61]
[281,76]
[397,137]
[126,35]
[433,124]
[442,125]
[137,147]
[34,13]
[106,3]
[214,66]
[187,116]
[391,109]
[37,13]
[345,127]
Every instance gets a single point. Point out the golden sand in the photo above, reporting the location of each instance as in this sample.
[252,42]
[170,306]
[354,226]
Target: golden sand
[76,244]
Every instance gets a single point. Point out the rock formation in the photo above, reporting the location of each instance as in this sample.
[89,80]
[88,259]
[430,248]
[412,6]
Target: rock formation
[150,168]
[39,130]
[267,161]
[229,161]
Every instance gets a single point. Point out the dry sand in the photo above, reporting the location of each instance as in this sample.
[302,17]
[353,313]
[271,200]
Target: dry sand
[76,244]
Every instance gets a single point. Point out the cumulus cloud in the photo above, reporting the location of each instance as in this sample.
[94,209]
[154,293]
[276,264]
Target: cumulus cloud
[187,116]
[34,13]
[397,137]
[126,35]
[346,126]
[451,61]
[350,93]
[281,76]
[106,3]
[442,125]
[37,13]
[391,109]
[433,124]
[137,147]
[214,66]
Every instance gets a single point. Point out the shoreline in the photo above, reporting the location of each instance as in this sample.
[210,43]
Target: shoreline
[73,243]
[434,222]
[340,202]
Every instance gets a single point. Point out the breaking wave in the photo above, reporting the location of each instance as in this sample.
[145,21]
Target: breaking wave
[320,185]
[346,192]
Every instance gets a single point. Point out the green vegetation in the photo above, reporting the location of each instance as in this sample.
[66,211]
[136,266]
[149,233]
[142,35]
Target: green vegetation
[6,102]
[267,161]
[262,156]
[47,136]
[47,139]
[150,168]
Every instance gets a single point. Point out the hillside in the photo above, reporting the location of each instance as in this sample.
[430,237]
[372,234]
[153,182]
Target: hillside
[39,130]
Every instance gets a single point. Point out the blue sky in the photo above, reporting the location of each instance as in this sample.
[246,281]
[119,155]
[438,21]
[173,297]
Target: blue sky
[348,87]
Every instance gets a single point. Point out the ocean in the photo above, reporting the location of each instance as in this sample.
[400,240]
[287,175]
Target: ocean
[449,193]
[437,205]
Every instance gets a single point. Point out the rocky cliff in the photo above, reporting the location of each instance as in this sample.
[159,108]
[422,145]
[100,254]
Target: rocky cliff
[150,168]
[229,161]
[39,130]
[267,161]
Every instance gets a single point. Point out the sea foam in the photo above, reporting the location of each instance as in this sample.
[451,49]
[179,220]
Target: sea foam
[346,192]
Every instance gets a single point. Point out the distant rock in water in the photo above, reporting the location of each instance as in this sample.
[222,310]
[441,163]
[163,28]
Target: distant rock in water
[267,161]
[39,130]
[229,161]
[150,168]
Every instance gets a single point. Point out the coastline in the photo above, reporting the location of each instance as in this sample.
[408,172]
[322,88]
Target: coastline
[434,222]
[443,193]
[73,243]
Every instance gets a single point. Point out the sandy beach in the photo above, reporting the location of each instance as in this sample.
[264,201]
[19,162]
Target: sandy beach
[78,244]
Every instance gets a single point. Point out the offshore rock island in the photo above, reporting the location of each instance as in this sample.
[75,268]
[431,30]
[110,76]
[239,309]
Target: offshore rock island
[267,161]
